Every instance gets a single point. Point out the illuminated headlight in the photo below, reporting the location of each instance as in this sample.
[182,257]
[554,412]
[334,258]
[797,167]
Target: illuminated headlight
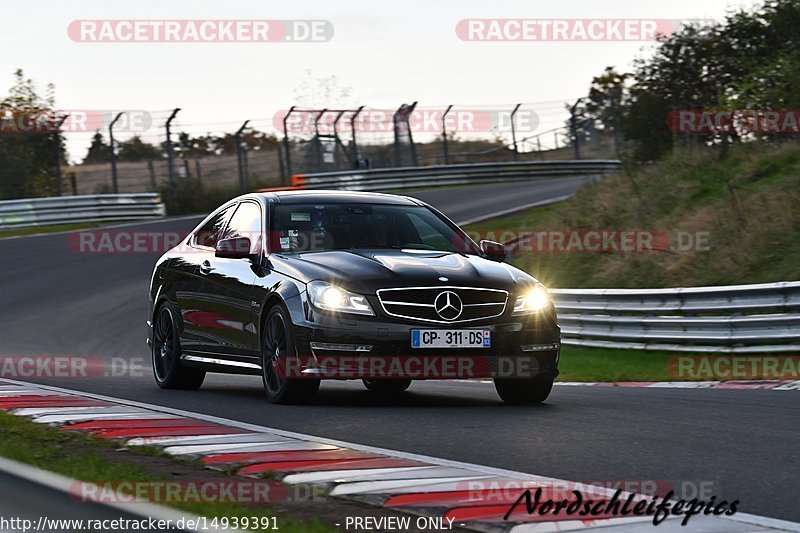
[331,298]
[534,300]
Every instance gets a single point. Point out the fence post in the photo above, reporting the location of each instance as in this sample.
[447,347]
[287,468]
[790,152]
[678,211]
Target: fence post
[152,170]
[444,135]
[239,157]
[170,170]
[514,132]
[114,181]
[353,133]
[336,140]
[286,147]
[317,141]
[573,125]
[59,155]
[281,165]
[403,114]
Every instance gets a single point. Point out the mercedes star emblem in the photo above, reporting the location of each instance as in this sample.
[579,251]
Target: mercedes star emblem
[448,305]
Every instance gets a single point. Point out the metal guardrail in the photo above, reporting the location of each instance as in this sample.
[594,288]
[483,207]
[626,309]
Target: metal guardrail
[77,209]
[759,318]
[411,177]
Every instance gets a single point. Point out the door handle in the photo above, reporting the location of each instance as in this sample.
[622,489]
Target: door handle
[205,267]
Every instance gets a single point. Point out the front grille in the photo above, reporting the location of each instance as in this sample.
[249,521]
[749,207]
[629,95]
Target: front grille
[419,303]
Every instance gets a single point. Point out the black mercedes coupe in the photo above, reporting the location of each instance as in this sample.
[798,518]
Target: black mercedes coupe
[300,286]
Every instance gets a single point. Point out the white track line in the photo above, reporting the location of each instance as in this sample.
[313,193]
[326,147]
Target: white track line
[480,472]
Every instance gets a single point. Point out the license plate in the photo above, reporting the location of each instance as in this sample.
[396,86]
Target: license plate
[451,338]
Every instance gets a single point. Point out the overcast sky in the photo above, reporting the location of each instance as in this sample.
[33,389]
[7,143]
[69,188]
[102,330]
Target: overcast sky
[387,52]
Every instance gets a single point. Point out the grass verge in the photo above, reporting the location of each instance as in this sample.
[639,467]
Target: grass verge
[95,460]
[715,221]
[600,364]
[43,230]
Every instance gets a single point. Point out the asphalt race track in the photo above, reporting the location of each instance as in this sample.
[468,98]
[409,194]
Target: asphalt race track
[738,444]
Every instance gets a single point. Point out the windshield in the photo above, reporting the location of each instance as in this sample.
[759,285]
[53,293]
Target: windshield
[298,228]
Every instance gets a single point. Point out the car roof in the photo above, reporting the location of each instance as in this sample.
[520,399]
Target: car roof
[326,196]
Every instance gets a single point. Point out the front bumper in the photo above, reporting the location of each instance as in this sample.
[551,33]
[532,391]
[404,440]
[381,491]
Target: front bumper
[375,347]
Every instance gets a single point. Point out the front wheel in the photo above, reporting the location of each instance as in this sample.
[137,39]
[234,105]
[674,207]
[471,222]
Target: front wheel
[166,355]
[523,391]
[277,348]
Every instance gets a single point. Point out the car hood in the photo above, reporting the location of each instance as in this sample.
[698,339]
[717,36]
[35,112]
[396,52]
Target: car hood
[366,271]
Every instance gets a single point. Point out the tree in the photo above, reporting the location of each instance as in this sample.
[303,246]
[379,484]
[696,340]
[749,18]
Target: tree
[27,160]
[607,96]
[751,60]
[315,91]
[99,151]
[135,149]
[208,144]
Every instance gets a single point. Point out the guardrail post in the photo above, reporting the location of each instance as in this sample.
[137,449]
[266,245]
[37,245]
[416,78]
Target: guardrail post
[444,134]
[170,157]
[239,160]
[114,183]
[514,132]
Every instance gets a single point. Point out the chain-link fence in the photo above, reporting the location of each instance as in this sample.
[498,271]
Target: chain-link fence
[139,151]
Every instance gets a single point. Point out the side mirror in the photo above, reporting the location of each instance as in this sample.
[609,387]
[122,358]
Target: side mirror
[235,248]
[494,250]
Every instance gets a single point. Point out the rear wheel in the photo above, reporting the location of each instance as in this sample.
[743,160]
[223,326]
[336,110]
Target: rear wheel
[277,347]
[523,391]
[166,355]
[387,386]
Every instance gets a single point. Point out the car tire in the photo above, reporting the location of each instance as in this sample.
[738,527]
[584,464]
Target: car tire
[277,347]
[523,391]
[387,386]
[168,371]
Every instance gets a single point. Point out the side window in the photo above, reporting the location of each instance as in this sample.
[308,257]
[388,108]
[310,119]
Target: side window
[246,222]
[209,234]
